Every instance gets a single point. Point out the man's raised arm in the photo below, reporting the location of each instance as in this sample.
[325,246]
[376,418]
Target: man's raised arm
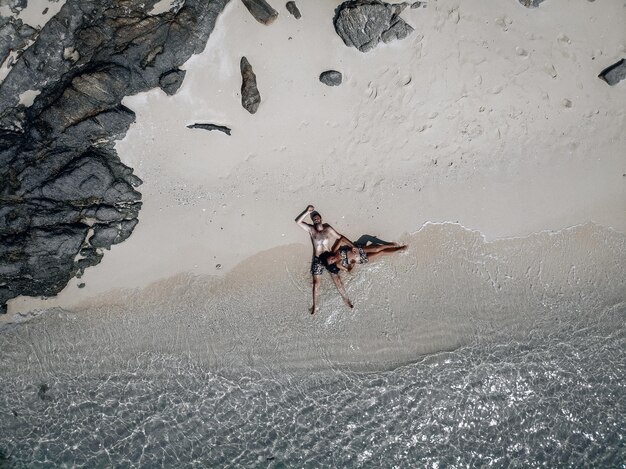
[300,218]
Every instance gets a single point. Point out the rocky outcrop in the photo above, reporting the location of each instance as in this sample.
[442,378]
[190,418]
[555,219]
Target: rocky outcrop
[261,10]
[615,73]
[292,8]
[365,23]
[331,78]
[64,193]
[221,128]
[250,96]
[14,35]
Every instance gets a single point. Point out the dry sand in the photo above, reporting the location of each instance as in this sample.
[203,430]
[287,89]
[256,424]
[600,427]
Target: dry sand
[489,115]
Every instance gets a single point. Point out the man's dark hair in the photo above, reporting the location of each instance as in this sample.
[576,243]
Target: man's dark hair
[315,214]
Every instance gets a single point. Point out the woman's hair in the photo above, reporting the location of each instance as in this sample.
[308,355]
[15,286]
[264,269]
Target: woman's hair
[324,257]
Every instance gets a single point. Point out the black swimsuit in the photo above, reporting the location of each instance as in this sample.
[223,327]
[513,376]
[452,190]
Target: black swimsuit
[343,252]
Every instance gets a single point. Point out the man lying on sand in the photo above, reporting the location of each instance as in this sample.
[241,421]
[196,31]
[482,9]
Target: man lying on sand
[324,239]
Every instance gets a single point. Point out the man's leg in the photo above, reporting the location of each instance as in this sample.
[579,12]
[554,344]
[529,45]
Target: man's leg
[342,290]
[317,280]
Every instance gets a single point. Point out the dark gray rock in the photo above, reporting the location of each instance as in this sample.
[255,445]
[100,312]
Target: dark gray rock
[15,5]
[530,3]
[14,36]
[104,236]
[415,5]
[221,128]
[261,10]
[292,8]
[171,81]
[400,7]
[331,78]
[364,23]
[65,196]
[615,73]
[250,96]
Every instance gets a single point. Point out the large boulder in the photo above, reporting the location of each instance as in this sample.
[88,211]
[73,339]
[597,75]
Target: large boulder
[365,23]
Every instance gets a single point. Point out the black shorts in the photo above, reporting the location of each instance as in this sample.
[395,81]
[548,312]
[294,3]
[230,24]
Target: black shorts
[318,267]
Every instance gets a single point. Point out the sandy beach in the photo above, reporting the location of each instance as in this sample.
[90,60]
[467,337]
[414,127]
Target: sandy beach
[490,117]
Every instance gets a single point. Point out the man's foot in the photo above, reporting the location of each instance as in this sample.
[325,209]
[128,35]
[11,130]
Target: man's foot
[314,309]
[348,304]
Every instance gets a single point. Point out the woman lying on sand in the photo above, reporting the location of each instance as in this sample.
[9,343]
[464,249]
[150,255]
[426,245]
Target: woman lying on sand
[345,257]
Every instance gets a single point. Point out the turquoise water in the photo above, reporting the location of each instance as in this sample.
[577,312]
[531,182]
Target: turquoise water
[557,399]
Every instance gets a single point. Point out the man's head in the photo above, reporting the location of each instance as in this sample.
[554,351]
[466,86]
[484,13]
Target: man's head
[316,218]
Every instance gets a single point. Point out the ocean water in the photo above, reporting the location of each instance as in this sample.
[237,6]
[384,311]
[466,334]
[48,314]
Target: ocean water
[557,399]
[458,353]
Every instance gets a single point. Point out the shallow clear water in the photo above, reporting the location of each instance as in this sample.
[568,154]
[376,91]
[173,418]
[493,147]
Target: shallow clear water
[555,400]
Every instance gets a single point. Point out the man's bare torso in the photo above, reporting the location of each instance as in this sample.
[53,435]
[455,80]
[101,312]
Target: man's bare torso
[323,240]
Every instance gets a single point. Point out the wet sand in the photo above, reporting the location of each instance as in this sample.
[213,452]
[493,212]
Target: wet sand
[450,289]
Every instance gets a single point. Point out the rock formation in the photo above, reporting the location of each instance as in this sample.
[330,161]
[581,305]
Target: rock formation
[364,23]
[292,8]
[221,128]
[261,10]
[331,78]
[64,193]
[250,96]
[14,35]
[171,81]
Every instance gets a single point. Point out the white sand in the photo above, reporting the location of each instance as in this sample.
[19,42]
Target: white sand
[490,115]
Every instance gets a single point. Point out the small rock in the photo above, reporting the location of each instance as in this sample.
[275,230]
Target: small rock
[331,78]
[261,10]
[81,285]
[293,9]
[250,96]
[218,266]
[43,389]
[615,73]
[415,5]
[530,3]
[566,103]
[221,128]
[170,81]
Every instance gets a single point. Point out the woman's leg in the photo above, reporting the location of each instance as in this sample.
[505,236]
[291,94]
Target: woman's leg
[374,252]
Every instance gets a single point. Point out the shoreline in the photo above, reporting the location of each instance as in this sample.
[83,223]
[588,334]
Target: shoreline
[450,289]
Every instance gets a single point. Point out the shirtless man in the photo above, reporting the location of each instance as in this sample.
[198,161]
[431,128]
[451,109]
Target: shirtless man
[324,239]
